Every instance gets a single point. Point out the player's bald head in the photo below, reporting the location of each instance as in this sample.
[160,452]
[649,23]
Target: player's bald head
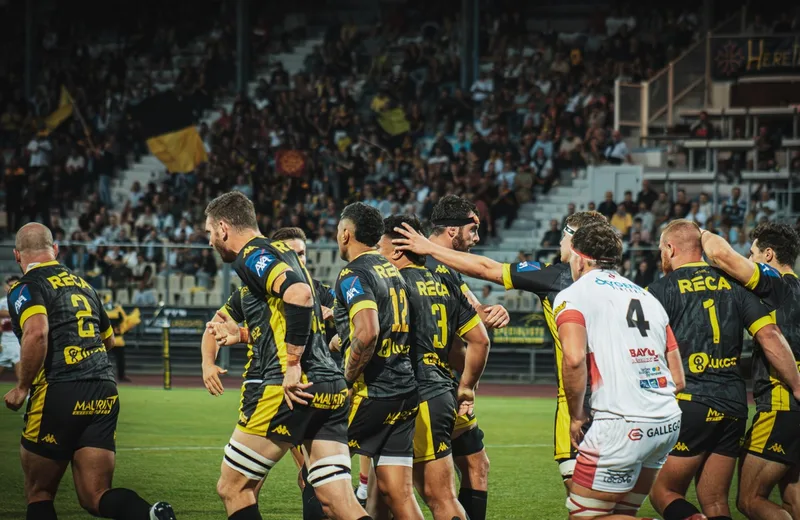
[33,238]
[684,235]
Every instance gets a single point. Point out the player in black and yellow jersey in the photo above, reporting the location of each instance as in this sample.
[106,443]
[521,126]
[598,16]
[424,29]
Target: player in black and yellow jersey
[299,393]
[546,281]
[708,313]
[121,322]
[440,313]
[372,319]
[73,408]
[772,447]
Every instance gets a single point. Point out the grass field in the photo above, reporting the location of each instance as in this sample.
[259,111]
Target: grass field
[170,447]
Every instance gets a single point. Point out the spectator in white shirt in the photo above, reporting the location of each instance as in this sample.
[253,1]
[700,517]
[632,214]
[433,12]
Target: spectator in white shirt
[39,149]
[184,228]
[766,208]
[696,215]
[617,151]
[741,245]
[75,162]
[482,88]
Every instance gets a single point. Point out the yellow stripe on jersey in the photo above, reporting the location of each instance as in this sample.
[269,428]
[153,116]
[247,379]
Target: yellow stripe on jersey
[278,270]
[557,352]
[360,306]
[31,311]
[507,283]
[277,322]
[224,310]
[761,431]
[108,333]
[760,324]
[33,418]
[754,278]
[468,326]
[464,288]
[266,408]
[563,444]
[683,397]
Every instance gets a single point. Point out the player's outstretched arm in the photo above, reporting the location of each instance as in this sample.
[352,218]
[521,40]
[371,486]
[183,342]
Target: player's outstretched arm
[475,266]
[720,252]
[209,348]
[366,328]
[779,354]
[33,350]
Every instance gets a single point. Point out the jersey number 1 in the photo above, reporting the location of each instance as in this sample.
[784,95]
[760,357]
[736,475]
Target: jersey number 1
[400,309]
[635,311]
[85,330]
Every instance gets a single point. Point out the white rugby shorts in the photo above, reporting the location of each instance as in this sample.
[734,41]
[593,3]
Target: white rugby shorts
[9,352]
[614,451]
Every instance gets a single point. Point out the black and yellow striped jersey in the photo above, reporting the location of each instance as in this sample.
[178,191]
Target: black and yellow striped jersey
[708,313]
[440,269]
[439,313]
[782,295]
[258,265]
[76,318]
[369,281]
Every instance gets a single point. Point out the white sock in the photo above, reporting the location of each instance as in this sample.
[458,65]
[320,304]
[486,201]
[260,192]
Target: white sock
[361,492]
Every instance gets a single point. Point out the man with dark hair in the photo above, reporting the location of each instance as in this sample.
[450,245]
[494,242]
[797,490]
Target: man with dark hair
[772,447]
[278,410]
[372,320]
[544,280]
[708,312]
[74,403]
[440,312]
[635,417]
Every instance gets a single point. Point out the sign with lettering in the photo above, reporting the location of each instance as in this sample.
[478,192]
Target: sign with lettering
[524,329]
[740,56]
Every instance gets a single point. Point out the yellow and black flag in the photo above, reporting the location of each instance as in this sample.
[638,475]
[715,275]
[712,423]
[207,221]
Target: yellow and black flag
[61,114]
[167,124]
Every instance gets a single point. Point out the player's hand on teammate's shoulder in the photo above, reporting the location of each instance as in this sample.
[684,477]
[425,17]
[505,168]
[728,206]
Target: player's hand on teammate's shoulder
[497,316]
[225,332]
[293,388]
[413,241]
[211,379]
[466,400]
[576,430]
[15,398]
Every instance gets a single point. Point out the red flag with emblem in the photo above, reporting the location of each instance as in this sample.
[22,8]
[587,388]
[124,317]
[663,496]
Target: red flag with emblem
[290,162]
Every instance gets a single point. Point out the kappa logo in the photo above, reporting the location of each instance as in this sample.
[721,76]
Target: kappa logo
[345,272]
[777,448]
[561,307]
[441,269]
[49,439]
[354,444]
[281,430]
[442,447]
[248,250]
[681,446]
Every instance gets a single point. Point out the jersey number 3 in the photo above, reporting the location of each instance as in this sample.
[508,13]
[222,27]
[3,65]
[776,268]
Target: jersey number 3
[636,319]
[85,330]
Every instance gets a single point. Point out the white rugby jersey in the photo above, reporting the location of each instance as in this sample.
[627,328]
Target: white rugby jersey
[7,337]
[628,338]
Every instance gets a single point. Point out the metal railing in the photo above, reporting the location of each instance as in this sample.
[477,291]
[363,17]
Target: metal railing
[638,105]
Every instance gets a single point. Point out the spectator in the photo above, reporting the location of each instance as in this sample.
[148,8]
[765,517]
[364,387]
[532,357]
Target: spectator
[741,245]
[646,195]
[735,207]
[661,208]
[550,241]
[696,215]
[627,200]
[617,151]
[542,168]
[765,208]
[608,207]
[622,220]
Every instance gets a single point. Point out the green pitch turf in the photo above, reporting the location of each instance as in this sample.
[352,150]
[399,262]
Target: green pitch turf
[170,447]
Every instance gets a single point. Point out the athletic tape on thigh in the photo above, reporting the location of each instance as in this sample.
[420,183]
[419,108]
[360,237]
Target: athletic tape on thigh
[246,461]
[588,507]
[567,468]
[395,461]
[329,469]
[631,502]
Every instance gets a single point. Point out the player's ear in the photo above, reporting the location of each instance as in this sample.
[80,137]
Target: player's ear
[17,258]
[55,250]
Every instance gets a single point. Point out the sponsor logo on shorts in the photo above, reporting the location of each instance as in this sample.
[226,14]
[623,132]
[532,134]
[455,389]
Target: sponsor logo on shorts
[635,434]
[618,477]
[714,416]
[393,418]
[49,439]
[442,447]
[777,448]
[681,446]
[664,429]
[95,406]
[74,355]
[328,400]
[699,362]
[354,444]
[281,430]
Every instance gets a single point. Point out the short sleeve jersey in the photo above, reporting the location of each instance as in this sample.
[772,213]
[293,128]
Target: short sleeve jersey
[440,269]
[781,294]
[258,265]
[76,318]
[439,313]
[709,312]
[628,340]
[371,282]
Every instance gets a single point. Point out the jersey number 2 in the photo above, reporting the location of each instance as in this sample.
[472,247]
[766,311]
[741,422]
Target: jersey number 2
[635,311]
[85,330]
[400,309]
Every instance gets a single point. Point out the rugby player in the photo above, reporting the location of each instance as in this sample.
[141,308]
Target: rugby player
[299,395]
[455,227]
[708,312]
[440,312]
[544,280]
[635,418]
[9,344]
[372,320]
[74,404]
[772,447]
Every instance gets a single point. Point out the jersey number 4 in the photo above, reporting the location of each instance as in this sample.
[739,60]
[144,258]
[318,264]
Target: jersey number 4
[636,319]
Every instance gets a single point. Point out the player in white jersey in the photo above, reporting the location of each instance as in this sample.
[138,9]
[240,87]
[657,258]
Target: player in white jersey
[617,335]
[9,344]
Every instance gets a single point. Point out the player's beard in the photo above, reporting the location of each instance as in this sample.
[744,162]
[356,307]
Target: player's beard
[460,244]
[666,264]
[226,254]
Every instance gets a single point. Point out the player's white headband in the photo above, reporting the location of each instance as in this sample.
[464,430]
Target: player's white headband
[568,230]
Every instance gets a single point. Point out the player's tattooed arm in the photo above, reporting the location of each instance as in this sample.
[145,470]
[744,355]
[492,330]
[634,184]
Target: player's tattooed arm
[366,328]
[720,252]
